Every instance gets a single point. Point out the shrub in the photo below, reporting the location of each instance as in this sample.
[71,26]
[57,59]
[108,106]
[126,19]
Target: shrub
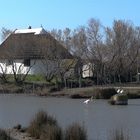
[45,127]
[38,124]
[105,93]
[75,132]
[54,89]
[73,83]
[51,132]
[76,96]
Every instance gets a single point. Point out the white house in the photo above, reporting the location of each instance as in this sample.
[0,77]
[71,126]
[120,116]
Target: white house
[31,50]
[87,70]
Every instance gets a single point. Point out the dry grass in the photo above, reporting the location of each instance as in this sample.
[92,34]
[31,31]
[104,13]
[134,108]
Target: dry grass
[38,124]
[75,132]
[45,127]
[119,134]
[52,132]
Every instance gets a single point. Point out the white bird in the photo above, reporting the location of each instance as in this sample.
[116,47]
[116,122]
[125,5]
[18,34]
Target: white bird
[118,91]
[121,91]
[88,100]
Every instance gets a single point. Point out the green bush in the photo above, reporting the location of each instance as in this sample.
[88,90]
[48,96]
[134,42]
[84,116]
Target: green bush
[75,132]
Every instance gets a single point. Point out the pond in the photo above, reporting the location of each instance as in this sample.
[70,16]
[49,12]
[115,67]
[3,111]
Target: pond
[98,117]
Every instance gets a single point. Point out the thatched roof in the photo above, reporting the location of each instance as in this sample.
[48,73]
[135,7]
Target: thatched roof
[29,45]
[35,31]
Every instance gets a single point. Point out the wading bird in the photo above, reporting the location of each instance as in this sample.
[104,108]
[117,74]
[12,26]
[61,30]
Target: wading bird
[119,91]
[88,100]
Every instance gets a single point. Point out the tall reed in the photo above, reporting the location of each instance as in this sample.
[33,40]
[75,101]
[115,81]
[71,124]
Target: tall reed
[75,132]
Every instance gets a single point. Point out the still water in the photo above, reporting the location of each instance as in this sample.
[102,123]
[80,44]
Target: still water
[99,118]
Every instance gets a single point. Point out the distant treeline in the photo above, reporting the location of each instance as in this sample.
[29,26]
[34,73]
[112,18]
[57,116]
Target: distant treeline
[114,51]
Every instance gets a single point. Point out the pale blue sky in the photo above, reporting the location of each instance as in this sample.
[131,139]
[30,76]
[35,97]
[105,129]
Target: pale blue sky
[65,13]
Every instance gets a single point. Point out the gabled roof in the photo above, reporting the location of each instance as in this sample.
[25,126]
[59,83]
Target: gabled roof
[21,44]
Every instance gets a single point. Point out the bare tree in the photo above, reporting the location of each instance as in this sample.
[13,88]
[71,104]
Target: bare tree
[122,44]
[3,65]
[3,74]
[57,34]
[96,48]
[19,71]
[79,42]
[5,33]
[67,36]
[63,36]
[79,49]
[49,59]
[56,60]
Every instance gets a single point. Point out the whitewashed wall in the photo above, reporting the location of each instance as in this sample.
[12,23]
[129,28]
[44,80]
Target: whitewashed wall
[42,66]
[37,67]
[18,66]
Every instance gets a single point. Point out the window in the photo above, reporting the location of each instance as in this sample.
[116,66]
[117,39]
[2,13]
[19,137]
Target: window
[27,62]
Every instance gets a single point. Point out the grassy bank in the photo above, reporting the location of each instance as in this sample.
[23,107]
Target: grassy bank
[46,89]
[98,92]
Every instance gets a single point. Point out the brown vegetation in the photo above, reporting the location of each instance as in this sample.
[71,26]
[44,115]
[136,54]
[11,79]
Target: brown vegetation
[119,134]
[41,121]
[45,127]
[75,132]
